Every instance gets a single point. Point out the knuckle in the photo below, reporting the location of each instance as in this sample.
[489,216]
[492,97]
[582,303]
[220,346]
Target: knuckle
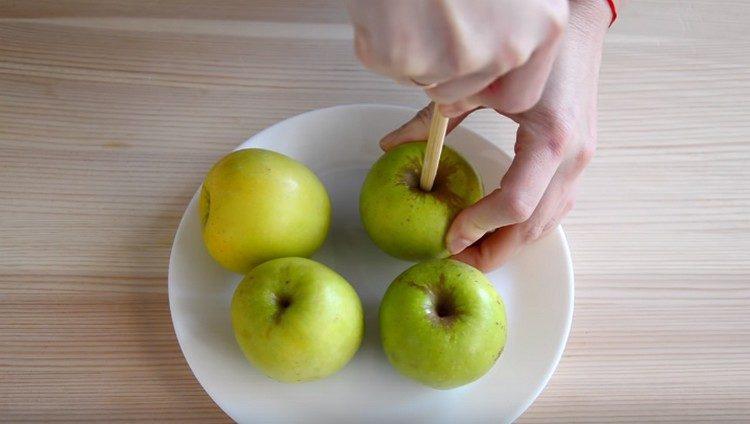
[533,232]
[515,55]
[556,145]
[557,18]
[497,66]
[585,154]
[557,132]
[518,208]
[557,24]
[560,18]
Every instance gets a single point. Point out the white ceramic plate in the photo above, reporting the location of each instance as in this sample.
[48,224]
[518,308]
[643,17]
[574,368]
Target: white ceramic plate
[340,144]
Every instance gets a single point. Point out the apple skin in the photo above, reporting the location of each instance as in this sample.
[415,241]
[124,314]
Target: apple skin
[257,205]
[296,319]
[442,323]
[402,219]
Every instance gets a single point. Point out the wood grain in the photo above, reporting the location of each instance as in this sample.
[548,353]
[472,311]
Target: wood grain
[111,112]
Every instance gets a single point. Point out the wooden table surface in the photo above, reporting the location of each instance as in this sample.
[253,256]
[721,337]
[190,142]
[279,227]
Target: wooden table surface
[112,111]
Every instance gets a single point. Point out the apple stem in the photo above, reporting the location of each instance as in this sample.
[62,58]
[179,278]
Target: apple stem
[438,126]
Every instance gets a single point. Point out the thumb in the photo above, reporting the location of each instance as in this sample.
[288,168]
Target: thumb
[474,222]
[417,128]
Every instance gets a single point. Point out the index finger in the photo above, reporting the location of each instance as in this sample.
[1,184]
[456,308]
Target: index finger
[537,158]
[417,128]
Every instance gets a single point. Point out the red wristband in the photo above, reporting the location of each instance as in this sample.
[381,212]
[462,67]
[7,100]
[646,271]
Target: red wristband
[614,11]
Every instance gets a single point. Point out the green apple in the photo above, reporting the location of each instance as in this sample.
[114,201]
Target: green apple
[442,323]
[296,319]
[401,218]
[257,205]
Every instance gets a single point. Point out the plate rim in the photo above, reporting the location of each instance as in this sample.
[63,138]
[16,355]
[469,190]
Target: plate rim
[570,277]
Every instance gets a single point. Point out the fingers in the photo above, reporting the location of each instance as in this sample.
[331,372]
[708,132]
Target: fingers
[521,88]
[463,87]
[494,250]
[565,209]
[506,88]
[538,155]
[461,108]
[417,128]
[455,50]
[385,42]
[549,211]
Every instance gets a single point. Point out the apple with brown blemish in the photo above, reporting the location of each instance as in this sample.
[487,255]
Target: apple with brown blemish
[442,323]
[402,219]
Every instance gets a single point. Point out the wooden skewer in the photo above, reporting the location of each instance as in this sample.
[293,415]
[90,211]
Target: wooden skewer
[438,126]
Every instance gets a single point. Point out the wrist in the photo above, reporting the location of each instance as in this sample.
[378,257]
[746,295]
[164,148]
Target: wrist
[584,40]
[591,17]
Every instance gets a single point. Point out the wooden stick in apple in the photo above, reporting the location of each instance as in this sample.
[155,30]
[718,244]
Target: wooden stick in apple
[438,126]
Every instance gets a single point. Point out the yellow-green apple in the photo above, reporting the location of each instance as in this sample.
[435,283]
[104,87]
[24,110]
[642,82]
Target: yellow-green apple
[406,221]
[257,205]
[442,323]
[296,319]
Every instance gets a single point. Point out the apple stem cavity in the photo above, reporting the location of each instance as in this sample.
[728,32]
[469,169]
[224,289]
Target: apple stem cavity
[443,308]
[284,302]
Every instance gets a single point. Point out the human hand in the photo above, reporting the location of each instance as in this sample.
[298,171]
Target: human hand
[493,53]
[554,142]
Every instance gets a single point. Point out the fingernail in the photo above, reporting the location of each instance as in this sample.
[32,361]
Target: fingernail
[457,245]
[385,142]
